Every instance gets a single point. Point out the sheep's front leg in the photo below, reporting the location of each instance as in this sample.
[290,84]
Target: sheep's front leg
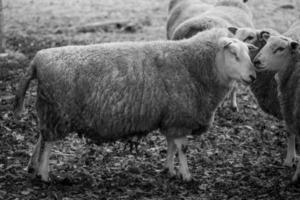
[291,150]
[296,175]
[234,105]
[170,156]
[181,144]
[39,161]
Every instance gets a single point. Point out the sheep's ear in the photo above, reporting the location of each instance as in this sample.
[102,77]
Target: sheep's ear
[225,42]
[233,30]
[252,47]
[294,45]
[227,45]
[264,35]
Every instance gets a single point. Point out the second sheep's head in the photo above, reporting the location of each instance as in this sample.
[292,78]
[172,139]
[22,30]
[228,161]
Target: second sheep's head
[278,52]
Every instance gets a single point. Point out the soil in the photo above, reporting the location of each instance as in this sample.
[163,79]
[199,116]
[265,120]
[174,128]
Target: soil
[240,157]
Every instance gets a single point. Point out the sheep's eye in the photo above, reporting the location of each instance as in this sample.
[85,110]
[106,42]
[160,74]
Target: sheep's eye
[251,48]
[236,57]
[279,49]
[250,38]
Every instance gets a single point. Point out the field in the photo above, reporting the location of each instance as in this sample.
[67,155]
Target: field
[239,158]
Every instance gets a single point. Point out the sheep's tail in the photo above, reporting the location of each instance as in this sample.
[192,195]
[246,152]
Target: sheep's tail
[22,88]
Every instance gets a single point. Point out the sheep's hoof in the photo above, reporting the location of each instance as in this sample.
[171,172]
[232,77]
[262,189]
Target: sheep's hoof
[43,179]
[172,173]
[36,176]
[235,109]
[288,163]
[185,177]
[291,162]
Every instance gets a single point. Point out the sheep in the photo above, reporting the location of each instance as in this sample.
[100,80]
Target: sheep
[190,17]
[186,18]
[265,90]
[118,90]
[183,11]
[281,55]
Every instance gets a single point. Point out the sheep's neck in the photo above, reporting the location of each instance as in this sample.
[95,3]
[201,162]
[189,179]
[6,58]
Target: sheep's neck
[285,73]
[202,69]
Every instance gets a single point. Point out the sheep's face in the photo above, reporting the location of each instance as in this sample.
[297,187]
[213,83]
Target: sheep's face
[276,54]
[248,35]
[234,62]
[251,36]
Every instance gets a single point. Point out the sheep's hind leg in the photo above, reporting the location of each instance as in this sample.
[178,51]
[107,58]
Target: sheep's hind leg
[291,156]
[170,156]
[39,161]
[33,163]
[296,175]
[181,144]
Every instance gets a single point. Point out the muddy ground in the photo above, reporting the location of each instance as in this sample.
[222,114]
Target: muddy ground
[239,158]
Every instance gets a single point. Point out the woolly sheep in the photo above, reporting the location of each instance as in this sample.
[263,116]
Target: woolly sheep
[282,55]
[183,11]
[186,18]
[112,91]
[265,91]
[195,17]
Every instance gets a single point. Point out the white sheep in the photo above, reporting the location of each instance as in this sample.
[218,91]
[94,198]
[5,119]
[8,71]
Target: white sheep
[188,17]
[182,10]
[265,91]
[281,55]
[117,90]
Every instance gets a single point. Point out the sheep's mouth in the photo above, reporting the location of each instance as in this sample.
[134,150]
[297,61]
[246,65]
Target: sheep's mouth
[246,82]
[260,68]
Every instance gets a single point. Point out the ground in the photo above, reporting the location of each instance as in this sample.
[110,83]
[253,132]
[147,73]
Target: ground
[239,158]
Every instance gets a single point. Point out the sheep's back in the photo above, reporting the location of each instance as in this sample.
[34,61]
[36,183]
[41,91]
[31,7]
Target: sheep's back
[183,12]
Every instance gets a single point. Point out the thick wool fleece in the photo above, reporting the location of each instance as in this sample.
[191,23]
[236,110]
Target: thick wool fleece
[190,18]
[113,91]
[289,94]
[184,11]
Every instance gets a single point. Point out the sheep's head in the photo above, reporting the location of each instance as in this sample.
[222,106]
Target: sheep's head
[252,36]
[276,54]
[233,60]
[248,35]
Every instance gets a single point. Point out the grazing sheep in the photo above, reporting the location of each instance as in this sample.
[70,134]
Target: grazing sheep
[112,91]
[282,55]
[186,18]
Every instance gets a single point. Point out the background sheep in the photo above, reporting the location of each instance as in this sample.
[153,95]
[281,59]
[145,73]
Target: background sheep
[281,54]
[117,90]
[186,18]
[182,10]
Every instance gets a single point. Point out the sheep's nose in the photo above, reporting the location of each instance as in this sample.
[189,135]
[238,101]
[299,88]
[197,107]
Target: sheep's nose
[253,78]
[256,62]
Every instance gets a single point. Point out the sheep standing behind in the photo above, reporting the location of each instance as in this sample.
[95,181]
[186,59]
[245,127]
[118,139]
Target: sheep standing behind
[282,55]
[112,91]
[188,17]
